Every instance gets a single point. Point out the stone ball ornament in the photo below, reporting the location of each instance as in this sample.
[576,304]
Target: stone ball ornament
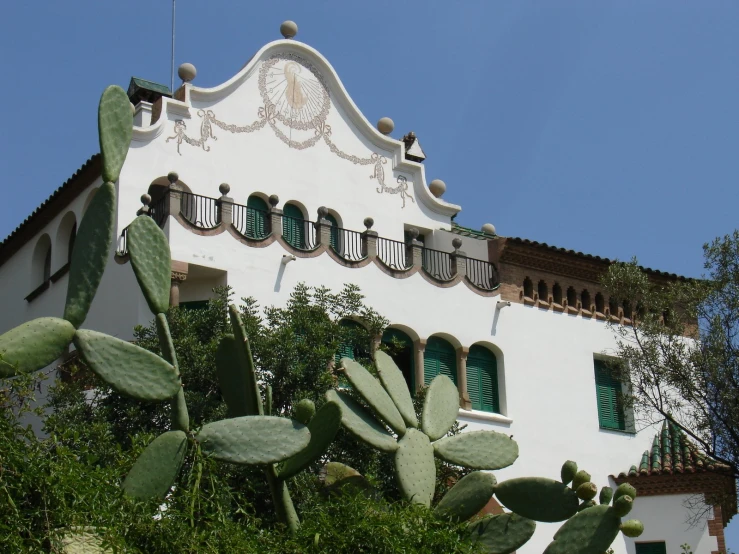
[488,229]
[385,125]
[437,188]
[224,188]
[145,199]
[289,29]
[172,177]
[457,243]
[187,72]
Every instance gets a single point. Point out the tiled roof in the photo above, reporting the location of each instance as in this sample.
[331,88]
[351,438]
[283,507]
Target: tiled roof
[605,261]
[468,232]
[60,197]
[672,452]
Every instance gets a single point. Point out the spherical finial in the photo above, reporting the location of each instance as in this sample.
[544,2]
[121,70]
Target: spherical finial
[187,72]
[288,29]
[322,212]
[385,125]
[488,229]
[274,200]
[457,243]
[413,232]
[437,187]
[172,177]
[369,222]
[224,188]
[145,199]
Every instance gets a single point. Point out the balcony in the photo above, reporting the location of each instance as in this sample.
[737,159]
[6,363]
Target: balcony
[258,227]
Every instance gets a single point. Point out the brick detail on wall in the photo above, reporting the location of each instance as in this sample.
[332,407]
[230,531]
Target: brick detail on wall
[716,529]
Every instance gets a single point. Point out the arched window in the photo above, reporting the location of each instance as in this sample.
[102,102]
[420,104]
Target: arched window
[557,294]
[293,226]
[627,309]
[439,358]
[528,288]
[482,379]
[257,218]
[585,299]
[64,241]
[543,291]
[335,239]
[613,306]
[41,262]
[600,303]
[571,297]
[400,348]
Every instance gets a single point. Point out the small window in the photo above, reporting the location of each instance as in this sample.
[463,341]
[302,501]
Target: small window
[439,358]
[557,294]
[400,348]
[585,299]
[571,297]
[334,241]
[482,379]
[651,548]
[609,395]
[293,226]
[528,288]
[543,291]
[600,303]
[257,218]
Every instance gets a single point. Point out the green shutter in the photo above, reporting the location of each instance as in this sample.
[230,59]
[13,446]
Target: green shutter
[482,379]
[405,359]
[334,240]
[651,548]
[256,218]
[608,392]
[293,226]
[439,358]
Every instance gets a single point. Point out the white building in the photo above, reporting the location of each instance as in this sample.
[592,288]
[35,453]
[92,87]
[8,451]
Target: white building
[520,326]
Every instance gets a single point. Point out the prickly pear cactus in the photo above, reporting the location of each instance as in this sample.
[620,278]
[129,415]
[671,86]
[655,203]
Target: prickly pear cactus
[391,405]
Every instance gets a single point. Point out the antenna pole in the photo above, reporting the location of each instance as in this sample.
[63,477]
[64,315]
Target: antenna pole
[172,74]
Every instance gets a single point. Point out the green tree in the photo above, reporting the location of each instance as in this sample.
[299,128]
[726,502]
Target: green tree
[681,353]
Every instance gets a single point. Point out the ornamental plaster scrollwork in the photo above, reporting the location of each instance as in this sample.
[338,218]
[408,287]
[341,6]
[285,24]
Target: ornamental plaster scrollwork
[296,103]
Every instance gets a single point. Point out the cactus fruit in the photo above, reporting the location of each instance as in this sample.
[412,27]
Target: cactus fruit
[304,411]
[587,504]
[34,345]
[156,469]
[538,498]
[606,494]
[624,489]
[593,528]
[587,491]
[581,477]
[467,497]
[502,533]
[569,470]
[632,528]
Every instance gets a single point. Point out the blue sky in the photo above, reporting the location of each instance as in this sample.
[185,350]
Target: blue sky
[606,127]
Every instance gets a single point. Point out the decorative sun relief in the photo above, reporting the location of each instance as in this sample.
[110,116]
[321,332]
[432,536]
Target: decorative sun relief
[295,106]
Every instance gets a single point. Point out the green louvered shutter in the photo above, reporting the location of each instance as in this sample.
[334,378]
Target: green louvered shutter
[439,358]
[608,392]
[482,379]
[293,226]
[651,548]
[334,240]
[256,218]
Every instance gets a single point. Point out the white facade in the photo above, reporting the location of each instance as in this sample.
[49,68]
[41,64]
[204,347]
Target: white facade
[317,149]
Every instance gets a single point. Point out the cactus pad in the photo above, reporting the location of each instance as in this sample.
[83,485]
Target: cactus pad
[34,345]
[394,382]
[590,531]
[467,497]
[253,439]
[606,494]
[501,534]
[323,428]
[372,392]
[90,254]
[569,470]
[440,407]
[246,362]
[339,476]
[415,467]
[232,378]
[115,128]
[361,423]
[305,410]
[127,368]
[478,450]
[156,469]
[538,498]
[150,259]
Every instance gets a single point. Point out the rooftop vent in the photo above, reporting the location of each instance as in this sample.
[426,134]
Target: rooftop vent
[413,150]
[147,91]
